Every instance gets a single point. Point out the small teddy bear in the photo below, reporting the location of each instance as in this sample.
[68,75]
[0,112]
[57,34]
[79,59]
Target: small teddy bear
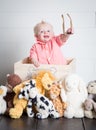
[3,105]
[11,81]
[90,102]
[54,95]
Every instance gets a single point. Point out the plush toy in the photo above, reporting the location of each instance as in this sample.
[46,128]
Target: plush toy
[43,105]
[19,104]
[90,102]
[3,105]
[11,81]
[43,74]
[54,95]
[46,81]
[74,94]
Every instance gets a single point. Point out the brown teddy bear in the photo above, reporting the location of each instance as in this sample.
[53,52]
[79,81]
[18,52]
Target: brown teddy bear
[11,81]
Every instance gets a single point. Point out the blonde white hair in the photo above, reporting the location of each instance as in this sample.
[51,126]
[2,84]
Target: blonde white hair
[38,25]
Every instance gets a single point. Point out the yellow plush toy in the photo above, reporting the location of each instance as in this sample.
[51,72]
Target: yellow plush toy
[19,104]
[47,77]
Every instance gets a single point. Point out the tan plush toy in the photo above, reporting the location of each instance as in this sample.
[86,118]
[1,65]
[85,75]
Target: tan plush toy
[19,104]
[54,95]
[42,75]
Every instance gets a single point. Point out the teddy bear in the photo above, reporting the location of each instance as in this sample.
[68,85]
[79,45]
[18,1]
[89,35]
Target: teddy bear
[54,95]
[90,102]
[19,104]
[11,81]
[39,76]
[74,93]
[3,105]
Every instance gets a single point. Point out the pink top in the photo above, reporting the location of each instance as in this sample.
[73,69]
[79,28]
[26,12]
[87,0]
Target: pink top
[48,53]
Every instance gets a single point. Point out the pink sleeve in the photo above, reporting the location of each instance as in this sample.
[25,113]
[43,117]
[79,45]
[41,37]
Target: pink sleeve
[33,53]
[59,41]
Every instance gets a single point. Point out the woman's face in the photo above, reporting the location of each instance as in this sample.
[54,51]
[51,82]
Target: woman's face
[45,33]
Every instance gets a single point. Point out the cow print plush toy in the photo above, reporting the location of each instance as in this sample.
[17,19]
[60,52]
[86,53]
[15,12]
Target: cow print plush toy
[42,104]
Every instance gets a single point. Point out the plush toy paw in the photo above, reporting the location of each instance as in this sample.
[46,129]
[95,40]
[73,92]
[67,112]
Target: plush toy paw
[15,113]
[89,114]
[39,116]
[54,114]
[69,112]
[30,114]
[79,113]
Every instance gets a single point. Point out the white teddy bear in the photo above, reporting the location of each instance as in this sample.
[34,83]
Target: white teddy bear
[74,93]
[3,92]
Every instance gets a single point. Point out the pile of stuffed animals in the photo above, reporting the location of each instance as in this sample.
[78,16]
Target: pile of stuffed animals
[45,96]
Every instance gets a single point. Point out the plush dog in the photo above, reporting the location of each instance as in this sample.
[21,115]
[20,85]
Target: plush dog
[43,105]
[74,94]
[3,104]
[90,102]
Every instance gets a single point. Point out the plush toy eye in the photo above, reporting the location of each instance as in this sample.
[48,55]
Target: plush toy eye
[49,85]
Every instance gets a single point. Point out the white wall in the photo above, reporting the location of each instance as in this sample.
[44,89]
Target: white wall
[18,17]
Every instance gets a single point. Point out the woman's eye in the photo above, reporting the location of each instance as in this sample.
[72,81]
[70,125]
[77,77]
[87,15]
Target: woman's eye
[48,30]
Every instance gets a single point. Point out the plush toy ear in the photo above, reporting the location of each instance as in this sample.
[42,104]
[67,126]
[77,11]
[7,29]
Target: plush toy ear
[82,88]
[60,84]
[81,85]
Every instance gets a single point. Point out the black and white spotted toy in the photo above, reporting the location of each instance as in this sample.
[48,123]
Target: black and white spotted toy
[43,105]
